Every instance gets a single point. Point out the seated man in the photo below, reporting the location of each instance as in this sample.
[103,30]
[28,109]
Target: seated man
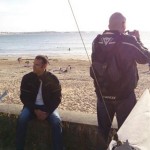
[40,94]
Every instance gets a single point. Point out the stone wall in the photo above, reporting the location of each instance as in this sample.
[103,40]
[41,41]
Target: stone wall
[79,131]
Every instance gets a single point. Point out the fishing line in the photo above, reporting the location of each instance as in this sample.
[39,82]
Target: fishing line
[89,60]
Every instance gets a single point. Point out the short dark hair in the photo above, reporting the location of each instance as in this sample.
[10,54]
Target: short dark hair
[43,58]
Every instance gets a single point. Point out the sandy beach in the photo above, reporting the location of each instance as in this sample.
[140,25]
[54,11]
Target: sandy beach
[77,86]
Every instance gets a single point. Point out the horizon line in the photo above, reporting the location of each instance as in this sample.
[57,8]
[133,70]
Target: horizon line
[15,32]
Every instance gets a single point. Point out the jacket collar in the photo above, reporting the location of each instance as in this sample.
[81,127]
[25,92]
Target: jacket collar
[41,77]
[111,32]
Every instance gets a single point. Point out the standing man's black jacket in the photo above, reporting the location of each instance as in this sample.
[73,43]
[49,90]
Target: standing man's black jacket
[51,90]
[130,52]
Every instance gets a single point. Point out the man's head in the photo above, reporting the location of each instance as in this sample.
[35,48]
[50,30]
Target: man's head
[117,22]
[39,65]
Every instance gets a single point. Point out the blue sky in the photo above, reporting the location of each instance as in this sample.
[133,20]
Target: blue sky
[55,15]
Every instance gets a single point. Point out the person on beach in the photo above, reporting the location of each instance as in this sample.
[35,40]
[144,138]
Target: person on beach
[127,50]
[40,93]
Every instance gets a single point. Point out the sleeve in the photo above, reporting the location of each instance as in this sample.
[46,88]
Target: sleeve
[94,56]
[26,94]
[94,48]
[141,53]
[55,95]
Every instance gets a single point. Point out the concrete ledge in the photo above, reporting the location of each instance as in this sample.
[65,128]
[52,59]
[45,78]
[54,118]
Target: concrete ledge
[79,130]
[67,116]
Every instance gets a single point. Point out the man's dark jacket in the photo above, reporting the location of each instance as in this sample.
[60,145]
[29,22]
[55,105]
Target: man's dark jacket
[51,90]
[130,52]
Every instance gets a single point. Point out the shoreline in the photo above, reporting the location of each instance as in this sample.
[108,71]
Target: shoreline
[50,57]
[77,86]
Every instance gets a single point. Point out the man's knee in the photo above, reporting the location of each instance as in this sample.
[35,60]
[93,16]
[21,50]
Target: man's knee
[56,122]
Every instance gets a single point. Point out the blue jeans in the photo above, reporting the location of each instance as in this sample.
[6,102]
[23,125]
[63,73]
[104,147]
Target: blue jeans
[122,107]
[53,119]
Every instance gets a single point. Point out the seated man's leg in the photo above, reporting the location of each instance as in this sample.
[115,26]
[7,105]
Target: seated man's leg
[55,122]
[22,122]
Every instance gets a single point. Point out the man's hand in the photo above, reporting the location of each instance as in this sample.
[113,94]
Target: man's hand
[41,115]
[136,33]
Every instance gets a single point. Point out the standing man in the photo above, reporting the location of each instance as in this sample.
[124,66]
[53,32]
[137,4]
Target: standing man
[119,53]
[40,94]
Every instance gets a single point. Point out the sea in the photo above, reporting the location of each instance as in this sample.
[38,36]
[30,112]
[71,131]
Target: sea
[53,44]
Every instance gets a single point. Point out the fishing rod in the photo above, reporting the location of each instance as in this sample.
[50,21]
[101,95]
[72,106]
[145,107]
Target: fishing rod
[89,60]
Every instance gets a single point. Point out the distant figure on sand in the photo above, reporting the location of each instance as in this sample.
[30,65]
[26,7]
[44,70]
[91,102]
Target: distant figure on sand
[65,69]
[19,60]
[27,63]
[40,94]
[62,70]
[116,54]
